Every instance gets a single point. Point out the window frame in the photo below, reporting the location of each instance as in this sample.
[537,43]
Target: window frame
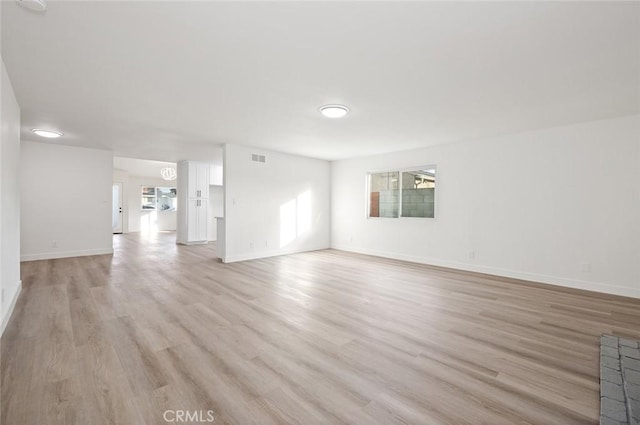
[400,172]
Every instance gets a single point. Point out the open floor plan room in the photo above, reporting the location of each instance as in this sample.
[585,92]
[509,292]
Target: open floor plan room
[319,212]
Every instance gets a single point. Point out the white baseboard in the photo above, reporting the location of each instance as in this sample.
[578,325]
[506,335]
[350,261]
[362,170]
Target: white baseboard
[267,254]
[496,271]
[6,315]
[193,243]
[65,254]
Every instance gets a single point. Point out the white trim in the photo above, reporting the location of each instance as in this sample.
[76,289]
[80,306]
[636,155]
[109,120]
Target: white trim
[193,243]
[65,254]
[6,316]
[267,254]
[496,271]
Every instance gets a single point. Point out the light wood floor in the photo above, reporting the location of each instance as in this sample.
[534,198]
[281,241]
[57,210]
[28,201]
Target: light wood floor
[317,338]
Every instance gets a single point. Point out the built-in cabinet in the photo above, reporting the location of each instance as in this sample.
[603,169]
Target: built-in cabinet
[197,220]
[193,202]
[197,179]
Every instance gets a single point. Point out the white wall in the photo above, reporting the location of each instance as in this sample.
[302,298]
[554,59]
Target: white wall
[66,201]
[216,175]
[216,209]
[560,206]
[281,206]
[147,221]
[10,197]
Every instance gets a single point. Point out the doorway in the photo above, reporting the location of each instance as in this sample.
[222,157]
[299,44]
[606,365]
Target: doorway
[117,208]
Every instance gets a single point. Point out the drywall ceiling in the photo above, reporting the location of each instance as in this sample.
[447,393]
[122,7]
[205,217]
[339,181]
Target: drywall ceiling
[141,167]
[170,80]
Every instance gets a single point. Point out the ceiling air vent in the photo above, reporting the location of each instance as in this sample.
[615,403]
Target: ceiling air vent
[258,158]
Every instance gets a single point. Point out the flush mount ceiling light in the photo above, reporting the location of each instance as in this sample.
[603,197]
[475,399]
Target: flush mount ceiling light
[169,173]
[334,111]
[50,134]
[36,5]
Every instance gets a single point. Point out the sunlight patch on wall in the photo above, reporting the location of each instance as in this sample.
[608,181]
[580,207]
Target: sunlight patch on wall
[303,204]
[295,218]
[287,222]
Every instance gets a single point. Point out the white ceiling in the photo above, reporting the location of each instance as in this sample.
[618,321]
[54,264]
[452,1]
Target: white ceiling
[171,80]
[141,167]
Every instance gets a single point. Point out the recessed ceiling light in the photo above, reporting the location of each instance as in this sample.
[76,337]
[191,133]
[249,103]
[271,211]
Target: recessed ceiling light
[50,134]
[334,111]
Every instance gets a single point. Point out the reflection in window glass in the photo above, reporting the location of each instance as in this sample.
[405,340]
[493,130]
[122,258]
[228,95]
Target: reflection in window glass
[418,193]
[166,198]
[148,191]
[384,194]
[149,203]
